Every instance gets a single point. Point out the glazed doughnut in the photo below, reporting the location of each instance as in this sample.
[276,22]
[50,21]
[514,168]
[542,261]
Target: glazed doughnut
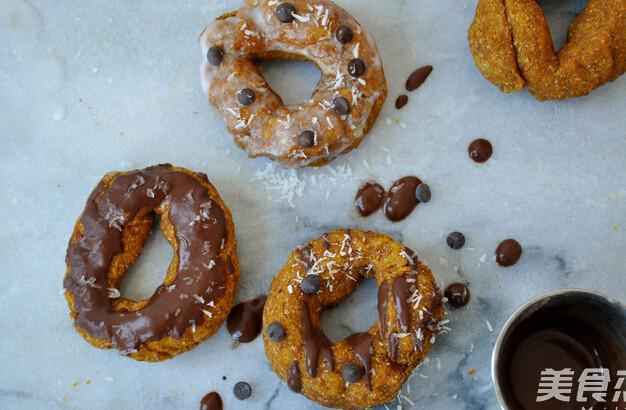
[511,45]
[343,107]
[366,368]
[201,281]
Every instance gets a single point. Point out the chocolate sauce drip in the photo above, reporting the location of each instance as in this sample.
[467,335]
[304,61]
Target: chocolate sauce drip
[393,346]
[418,77]
[480,150]
[383,300]
[326,242]
[458,295]
[400,200]
[294,378]
[361,344]
[199,228]
[435,300]
[400,292]
[369,198]
[212,401]
[307,258]
[508,252]
[244,320]
[314,341]
[413,256]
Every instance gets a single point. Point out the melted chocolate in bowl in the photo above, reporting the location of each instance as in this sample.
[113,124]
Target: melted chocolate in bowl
[576,331]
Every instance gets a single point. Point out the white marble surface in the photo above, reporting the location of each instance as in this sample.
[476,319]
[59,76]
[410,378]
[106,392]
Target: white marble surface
[90,87]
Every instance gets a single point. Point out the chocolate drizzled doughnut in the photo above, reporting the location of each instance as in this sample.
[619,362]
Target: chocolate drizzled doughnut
[410,314]
[109,236]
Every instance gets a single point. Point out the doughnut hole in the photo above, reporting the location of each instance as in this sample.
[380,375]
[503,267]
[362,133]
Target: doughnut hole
[559,14]
[134,238]
[357,313]
[293,80]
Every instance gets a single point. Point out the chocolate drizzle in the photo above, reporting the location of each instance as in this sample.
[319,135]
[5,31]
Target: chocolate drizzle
[361,344]
[400,291]
[326,242]
[199,228]
[414,259]
[212,401]
[393,346]
[383,300]
[400,200]
[244,320]
[307,259]
[294,378]
[314,341]
[435,300]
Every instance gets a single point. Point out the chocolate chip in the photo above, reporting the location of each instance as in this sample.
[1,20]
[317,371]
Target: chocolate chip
[351,372]
[356,67]
[306,139]
[310,284]
[341,106]
[275,332]
[456,240]
[344,34]
[214,56]
[242,390]
[422,193]
[401,101]
[246,96]
[285,12]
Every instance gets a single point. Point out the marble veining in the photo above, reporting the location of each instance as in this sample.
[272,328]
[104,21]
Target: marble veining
[87,89]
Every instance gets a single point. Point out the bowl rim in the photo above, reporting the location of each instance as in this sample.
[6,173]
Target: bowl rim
[505,330]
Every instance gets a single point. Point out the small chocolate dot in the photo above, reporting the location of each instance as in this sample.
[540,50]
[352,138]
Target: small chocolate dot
[344,34]
[310,284]
[480,150]
[401,101]
[456,240]
[246,96]
[457,294]
[422,193]
[275,332]
[351,372]
[306,139]
[214,56]
[341,106]
[242,390]
[356,67]
[508,252]
[285,12]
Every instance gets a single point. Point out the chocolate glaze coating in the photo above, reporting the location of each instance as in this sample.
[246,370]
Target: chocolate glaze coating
[200,229]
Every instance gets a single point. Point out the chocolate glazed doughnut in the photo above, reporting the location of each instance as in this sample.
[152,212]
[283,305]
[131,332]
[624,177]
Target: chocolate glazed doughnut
[366,368]
[342,109]
[201,280]
[511,45]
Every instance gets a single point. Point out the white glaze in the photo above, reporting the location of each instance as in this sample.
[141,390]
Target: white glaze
[267,127]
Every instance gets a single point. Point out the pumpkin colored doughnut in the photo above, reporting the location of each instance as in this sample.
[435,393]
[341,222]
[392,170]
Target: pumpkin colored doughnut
[201,281]
[343,107]
[366,368]
[511,45]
